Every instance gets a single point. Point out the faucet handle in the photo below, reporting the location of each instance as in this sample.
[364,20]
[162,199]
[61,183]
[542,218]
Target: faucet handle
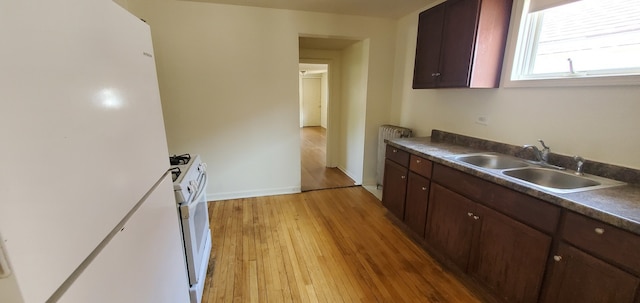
[579,165]
[543,145]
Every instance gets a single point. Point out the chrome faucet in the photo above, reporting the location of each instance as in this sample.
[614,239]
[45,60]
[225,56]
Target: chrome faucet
[542,155]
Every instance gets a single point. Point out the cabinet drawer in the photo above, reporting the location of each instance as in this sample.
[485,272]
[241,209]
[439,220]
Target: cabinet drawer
[605,241]
[396,155]
[526,209]
[420,166]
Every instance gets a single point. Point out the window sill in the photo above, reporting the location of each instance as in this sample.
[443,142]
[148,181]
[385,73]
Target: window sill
[574,82]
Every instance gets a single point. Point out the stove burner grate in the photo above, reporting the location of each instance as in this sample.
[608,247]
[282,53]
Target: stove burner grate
[175,173]
[180,159]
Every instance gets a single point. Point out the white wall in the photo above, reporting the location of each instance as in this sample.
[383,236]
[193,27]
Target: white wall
[599,123]
[217,102]
[353,109]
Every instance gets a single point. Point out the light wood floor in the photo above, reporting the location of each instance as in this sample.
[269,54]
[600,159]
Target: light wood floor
[315,174]
[332,245]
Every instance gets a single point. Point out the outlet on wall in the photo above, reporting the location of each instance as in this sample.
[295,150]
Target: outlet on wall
[482,120]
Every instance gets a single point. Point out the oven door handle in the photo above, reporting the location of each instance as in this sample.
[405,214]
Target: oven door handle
[202,188]
[185,212]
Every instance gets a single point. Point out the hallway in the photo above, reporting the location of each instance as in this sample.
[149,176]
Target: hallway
[315,174]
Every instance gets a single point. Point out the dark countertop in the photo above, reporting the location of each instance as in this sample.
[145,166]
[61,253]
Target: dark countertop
[618,206]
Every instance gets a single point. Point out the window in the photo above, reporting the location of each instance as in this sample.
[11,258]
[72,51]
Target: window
[580,39]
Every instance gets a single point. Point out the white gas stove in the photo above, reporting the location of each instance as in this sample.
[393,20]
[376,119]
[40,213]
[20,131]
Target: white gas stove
[189,185]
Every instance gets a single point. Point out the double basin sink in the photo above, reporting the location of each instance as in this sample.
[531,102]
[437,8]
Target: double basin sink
[549,179]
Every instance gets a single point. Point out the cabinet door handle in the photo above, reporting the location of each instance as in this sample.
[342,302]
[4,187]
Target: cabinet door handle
[557,258]
[403,177]
[395,150]
[418,161]
[476,217]
[435,74]
[599,230]
[424,188]
[470,214]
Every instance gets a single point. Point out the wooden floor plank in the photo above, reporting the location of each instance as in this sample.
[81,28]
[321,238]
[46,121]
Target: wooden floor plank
[276,255]
[333,245]
[268,288]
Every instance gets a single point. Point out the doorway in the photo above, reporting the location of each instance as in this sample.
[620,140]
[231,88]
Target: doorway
[314,99]
[314,92]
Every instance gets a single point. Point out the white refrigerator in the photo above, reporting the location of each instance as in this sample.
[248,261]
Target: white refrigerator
[87,211]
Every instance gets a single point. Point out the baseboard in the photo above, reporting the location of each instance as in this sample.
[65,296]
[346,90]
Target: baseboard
[252,193]
[374,190]
[342,169]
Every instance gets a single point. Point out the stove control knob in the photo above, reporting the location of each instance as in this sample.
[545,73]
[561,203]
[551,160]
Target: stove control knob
[191,188]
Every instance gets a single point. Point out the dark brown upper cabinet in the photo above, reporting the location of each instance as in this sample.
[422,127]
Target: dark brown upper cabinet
[461,44]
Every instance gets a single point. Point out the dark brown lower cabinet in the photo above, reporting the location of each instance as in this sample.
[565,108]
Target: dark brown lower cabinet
[502,239]
[506,256]
[450,224]
[577,277]
[415,212]
[395,188]
[509,257]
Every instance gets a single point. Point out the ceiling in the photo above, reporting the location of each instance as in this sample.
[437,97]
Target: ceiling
[371,8]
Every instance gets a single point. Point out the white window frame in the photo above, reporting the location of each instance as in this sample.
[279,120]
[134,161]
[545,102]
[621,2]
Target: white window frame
[510,66]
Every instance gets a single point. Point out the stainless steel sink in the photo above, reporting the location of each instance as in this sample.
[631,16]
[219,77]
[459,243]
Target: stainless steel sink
[554,180]
[559,181]
[491,160]
[550,178]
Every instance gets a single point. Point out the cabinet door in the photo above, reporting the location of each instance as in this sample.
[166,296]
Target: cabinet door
[428,47]
[450,224]
[581,278]
[395,188]
[415,213]
[509,257]
[458,39]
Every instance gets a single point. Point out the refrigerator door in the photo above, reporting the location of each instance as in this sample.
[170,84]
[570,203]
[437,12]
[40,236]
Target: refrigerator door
[82,132]
[144,262]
